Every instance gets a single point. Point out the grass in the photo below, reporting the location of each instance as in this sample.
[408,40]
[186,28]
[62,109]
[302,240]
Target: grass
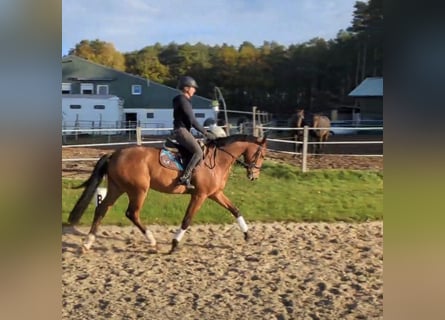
[283,193]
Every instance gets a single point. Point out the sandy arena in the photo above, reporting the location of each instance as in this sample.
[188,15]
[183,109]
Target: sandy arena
[285,271]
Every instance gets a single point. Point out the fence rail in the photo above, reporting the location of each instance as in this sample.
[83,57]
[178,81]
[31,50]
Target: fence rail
[278,143]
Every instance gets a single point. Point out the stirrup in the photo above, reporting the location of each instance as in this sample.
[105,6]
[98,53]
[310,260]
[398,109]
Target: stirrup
[186,182]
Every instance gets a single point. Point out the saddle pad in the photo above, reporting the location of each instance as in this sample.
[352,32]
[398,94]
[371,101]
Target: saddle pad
[170,160]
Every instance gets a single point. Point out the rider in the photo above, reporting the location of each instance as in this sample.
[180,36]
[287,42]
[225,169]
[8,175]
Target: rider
[183,120]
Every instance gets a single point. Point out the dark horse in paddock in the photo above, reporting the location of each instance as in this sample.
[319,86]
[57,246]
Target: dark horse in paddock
[299,124]
[137,169]
[319,134]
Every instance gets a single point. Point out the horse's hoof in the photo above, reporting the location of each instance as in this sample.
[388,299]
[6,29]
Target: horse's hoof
[174,246]
[84,249]
[153,249]
[246,236]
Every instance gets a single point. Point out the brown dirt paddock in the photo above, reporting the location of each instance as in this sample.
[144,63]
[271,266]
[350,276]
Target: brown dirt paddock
[285,271]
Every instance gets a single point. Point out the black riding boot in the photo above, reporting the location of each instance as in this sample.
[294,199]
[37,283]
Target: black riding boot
[185,179]
[186,176]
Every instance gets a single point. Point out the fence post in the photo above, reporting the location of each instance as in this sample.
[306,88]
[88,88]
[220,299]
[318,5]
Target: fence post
[76,127]
[64,134]
[138,136]
[253,121]
[259,131]
[304,151]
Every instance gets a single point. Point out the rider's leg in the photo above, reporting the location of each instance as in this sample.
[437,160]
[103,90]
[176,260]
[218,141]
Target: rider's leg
[187,174]
[187,140]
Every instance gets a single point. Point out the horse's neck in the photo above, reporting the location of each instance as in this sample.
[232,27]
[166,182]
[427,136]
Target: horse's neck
[300,121]
[227,155]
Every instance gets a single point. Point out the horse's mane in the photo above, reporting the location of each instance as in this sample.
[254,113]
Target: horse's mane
[223,141]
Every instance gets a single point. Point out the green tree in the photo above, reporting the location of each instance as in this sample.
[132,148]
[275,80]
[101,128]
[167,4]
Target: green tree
[367,28]
[101,52]
[145,63]
[315,74]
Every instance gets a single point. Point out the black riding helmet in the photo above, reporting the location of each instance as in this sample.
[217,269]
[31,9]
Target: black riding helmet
[187,81]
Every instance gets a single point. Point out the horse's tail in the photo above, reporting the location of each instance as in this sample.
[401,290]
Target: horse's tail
[90,185]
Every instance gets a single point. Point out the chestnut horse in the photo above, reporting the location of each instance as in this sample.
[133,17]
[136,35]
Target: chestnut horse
[135,170]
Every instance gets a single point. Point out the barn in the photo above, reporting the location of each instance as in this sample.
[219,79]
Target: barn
[95,111]
[144,102]
[369,98]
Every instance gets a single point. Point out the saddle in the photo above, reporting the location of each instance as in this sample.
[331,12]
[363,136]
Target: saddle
[174,156]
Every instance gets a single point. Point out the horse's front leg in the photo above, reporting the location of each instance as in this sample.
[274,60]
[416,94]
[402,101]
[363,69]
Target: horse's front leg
[195,204]
[225,202]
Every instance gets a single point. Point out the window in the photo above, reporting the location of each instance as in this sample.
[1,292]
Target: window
[150,115]
[136,89]
[86,88]
[200,115]
[102,89]
[66,88]
[75,106]
[99,106]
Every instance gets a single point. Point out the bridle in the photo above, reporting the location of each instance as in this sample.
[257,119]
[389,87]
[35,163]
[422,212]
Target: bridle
[249,166]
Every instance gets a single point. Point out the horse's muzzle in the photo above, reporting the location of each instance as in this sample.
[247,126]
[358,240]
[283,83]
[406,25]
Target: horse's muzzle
[252,176]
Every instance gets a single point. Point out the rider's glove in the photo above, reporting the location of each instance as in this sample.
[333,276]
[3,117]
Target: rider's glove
[210,135]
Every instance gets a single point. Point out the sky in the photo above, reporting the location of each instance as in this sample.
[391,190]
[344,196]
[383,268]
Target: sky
[134,24]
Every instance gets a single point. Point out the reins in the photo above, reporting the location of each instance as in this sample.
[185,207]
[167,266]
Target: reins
[248,166]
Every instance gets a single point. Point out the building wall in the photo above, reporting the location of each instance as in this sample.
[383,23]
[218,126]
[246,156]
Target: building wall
[371,108]
[88,115]
[162,118]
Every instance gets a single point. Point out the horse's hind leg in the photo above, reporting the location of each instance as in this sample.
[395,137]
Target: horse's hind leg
[133,212]
[112,194]
[318,145]
[296,145]
[323,139]
[225,202]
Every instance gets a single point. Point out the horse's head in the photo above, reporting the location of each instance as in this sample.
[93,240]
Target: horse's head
[300,113]
[300,118]
[254,157]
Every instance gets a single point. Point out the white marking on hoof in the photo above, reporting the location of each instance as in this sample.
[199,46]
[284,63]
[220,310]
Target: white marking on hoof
[242,224]
[150,238]
[90,239]
[179,234]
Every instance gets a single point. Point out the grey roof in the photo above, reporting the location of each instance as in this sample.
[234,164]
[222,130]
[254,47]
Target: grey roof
[89,96]
[154,95]
[370,87]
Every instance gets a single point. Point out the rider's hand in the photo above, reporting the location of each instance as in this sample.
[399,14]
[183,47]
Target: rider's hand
[210,135]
